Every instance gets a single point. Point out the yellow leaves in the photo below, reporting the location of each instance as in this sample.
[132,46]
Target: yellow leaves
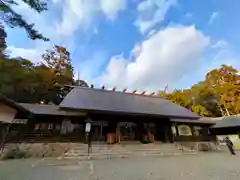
[218,94]
[199,109]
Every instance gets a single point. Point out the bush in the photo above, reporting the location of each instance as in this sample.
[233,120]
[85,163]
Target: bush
[14,154]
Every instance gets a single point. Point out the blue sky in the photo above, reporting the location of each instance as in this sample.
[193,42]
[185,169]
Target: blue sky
[141,45]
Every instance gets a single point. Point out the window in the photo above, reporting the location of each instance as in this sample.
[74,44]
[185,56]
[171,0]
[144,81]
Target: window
[184,130]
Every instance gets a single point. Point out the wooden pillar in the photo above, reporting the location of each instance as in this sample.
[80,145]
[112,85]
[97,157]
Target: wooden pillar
[166,134]
[111,135]
[118,133]
[173,131]
[192,130]
[177,131]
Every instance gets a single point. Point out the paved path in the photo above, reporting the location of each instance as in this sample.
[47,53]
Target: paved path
[208,166]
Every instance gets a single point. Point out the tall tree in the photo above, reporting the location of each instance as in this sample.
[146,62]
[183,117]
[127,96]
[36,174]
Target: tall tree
[185,98]
[23,81]
[15,79]
[225,83]
[205,97]
[13,19]
[218,95]
[58,60]
[3,45]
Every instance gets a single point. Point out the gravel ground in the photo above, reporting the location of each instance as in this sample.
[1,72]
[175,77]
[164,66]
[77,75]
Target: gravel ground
[208,166]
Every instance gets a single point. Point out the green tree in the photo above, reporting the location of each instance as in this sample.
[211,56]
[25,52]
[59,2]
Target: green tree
[16,75]
[205,96]
[218,95]
[191,99]
[58,61]
[23,81]
[13,19]
[3,45]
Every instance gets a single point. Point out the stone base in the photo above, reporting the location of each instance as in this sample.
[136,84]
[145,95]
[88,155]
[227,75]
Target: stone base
[199,146]
[36,149]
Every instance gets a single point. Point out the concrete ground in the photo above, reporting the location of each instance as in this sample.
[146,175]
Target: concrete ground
[205,166]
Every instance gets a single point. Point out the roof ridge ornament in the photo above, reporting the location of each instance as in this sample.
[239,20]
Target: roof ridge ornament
[102,86]
[134,91]
[152,94]
[143,92]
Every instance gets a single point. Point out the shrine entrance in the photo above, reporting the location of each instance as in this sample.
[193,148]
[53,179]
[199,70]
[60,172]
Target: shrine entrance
[99,131]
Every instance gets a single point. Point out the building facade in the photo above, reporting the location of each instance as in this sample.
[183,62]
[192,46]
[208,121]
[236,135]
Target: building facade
[115,117]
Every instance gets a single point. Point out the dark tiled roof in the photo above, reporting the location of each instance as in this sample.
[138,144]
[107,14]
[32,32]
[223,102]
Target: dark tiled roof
[227,121]
[42,109]
[118,102]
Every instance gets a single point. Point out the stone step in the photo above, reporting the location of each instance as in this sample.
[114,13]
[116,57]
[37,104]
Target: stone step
[95,154]
[83,153]
[129,147]
[126,150]
[120,150]
[110,156]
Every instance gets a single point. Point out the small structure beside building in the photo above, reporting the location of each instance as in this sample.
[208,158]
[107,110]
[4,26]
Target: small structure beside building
[115,117]
[227,126]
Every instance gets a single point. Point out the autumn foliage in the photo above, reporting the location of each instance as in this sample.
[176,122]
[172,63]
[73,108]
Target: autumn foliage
[218,95]
[23,81]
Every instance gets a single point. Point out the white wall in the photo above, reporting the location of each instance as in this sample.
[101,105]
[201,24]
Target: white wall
[7,113]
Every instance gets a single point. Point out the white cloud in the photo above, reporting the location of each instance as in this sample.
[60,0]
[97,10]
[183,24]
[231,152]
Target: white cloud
[213,17]
[90,67]
[111,7]
[151,12]
[61,26]
[30,54]
[164,58]
[220,44]
[80,14]
[76,14]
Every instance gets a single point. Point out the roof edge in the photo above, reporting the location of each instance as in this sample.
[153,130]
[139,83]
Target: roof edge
[12,103]
[126,113]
